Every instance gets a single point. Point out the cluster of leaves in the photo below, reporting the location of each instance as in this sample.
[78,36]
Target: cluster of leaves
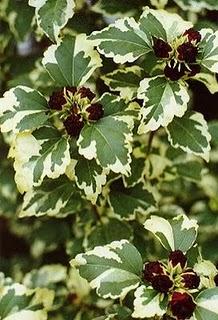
[101,129]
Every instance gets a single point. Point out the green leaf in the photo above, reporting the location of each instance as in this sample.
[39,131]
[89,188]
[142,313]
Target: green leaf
[191,170]
[163,100]
[162,24]
[43,153]
[208,56]
[72,61]
[57,198]
[22,109]
[15,13]
[191,134]
[90,177]
[126,81]
[207,305]
[109,139]
[178,234]
[122,41]
[127,202]
[113,229]
[197,5]
[52,15]
[113,270]
[116,8]
[148,303]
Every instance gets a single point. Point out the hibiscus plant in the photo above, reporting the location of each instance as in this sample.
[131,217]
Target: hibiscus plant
[109,154]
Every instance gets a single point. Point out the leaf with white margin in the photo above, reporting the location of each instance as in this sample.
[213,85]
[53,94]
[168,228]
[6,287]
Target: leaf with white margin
[126,81]
[52,15]
[209,80]
[197,5]
[90,177]
[208,50]
[207,305]
[72,61]
[163,100]
[57,197]
[45,152]
[123,41]
[162,24]
[127,202]
[177,234]
[148,303]
[109,139]
[191,134]
[21,109]
[28,315]
[113,270]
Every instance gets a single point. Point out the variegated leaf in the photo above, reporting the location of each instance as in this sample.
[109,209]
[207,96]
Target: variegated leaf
[113,270]
[127,202]
[115,8]
[163,100]
[197,5]
[178,234]
[43,153]
[126,81]
[209,80]
[72,61]
[57,197]
[148,303]
[208,56]
[191,134]
[162,24]
[207,305]
[123,41]
[22,109]
[109,139]
[52,15]
[90,177]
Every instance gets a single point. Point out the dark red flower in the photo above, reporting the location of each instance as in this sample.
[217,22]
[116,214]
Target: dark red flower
[162,283]
[190,279]
[161,48]
[195,68]
[74,124]
[95,111]
[152,269]
[193,35]
[216,280]
[182,305]
[57,100]
[72,89]
[86,93]
[187,52]
[177,257]
[174,72]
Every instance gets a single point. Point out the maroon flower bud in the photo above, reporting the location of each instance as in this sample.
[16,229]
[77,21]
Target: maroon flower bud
[174,72]
[187,52]
[190,279]
[74,124]
[152,269]
[195,68]
[86,93]
[162,283]
[216,280]
[95,112]
[57,100]
[182,305]
[193,35]
[177,257]
[71,89]
[161,48]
